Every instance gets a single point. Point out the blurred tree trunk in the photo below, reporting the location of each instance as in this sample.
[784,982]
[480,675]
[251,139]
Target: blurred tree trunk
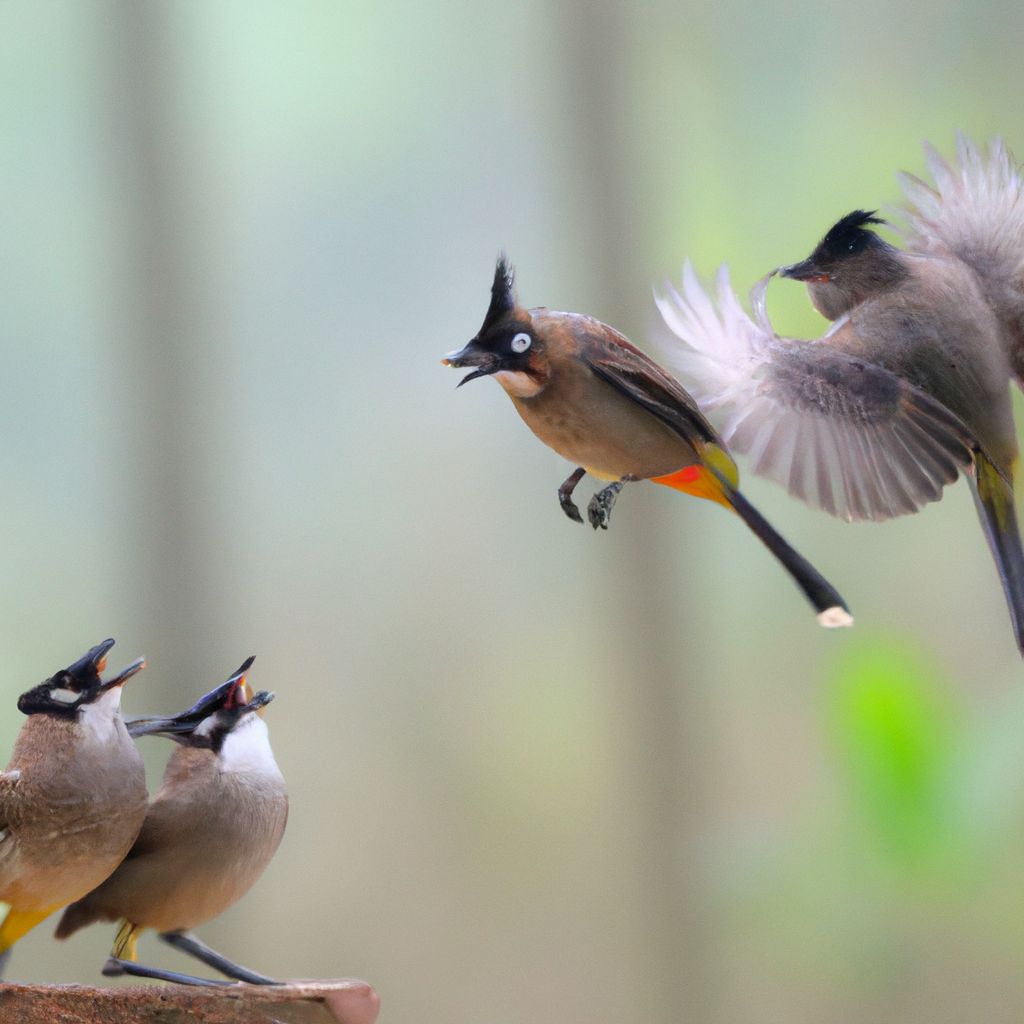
[164,342]
[667,749]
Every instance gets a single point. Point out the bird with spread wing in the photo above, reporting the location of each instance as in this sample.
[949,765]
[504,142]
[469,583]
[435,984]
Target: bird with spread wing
[909,387]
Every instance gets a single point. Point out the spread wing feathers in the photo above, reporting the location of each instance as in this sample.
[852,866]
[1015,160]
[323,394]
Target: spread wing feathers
[975,213]
[842,434]
[624,367]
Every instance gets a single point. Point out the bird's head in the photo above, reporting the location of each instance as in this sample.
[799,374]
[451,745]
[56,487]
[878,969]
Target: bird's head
[507,346]
[849,265]
[230,709]
[80,685]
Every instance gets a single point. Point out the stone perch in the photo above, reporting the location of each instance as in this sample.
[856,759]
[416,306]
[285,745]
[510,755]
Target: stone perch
[345,1001]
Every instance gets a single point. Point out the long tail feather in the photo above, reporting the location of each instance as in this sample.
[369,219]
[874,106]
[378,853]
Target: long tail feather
[17,923]
[826,600]
[993,497]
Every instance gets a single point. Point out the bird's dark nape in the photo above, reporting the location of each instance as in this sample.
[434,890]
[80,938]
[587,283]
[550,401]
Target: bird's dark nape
[503,294]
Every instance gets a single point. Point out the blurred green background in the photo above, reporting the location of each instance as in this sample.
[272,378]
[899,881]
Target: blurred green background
[536,773]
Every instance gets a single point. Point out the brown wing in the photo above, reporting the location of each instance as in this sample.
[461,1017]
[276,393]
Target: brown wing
[624,367]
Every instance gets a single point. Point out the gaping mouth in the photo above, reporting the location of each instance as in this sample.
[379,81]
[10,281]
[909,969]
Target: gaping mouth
[232,695]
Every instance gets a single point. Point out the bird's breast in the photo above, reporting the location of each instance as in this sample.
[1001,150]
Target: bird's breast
[596,427]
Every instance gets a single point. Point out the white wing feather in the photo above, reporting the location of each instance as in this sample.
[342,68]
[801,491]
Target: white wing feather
[842,434]
[975,214]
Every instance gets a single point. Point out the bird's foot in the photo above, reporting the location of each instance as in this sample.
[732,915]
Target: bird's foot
[569,506]
[599,511]
[571,509]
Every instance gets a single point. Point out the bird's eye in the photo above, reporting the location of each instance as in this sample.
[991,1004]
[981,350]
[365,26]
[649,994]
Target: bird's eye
[521,342]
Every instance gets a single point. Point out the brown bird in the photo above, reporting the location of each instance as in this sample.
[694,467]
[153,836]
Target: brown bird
[73,796]
[210,831]
[909,388]
[598,401]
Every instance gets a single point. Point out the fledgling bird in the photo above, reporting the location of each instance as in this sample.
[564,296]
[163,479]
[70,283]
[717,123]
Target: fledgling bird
[209,832]
[73,796]
[599,402]
[910,386]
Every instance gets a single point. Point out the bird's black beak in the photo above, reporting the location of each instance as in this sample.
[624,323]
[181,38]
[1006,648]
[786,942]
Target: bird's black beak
[806,270]
[260,700]
[124,675]
[473,355]
[224,696]
[95,660]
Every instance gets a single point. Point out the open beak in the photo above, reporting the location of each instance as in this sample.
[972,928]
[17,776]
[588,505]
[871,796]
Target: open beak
[124,675]
[807,271]
[472,355]
[260,701]
[176,726]
[225,695]
[96,659]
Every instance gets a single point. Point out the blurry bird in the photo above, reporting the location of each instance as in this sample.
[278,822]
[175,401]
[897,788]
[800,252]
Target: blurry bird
[910,386]
[73,797]
[598,401]
[210,831]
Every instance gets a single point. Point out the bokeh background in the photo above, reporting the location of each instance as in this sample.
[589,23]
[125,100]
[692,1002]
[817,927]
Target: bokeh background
[536,773]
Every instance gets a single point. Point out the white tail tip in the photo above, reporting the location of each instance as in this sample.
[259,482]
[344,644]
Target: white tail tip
[835,617]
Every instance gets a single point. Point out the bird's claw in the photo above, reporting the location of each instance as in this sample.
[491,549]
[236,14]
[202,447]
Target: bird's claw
[599,511]
[570,508]
[565,495]
[113,968]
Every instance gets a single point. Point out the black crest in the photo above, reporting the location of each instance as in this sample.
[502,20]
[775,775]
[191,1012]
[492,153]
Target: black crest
[503,293]
[850,234]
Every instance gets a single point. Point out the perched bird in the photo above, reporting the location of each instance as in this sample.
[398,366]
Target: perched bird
[73,796]
[598,401]
[910,386]
[210,830]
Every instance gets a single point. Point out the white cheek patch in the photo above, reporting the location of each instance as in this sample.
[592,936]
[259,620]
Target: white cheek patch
[64,696]
[517,383]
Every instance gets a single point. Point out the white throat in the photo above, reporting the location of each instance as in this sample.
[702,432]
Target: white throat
[247,748]
[101,718]
[517,383]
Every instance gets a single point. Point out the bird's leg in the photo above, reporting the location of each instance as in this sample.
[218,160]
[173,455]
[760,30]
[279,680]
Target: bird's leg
[187,943]
[115,967]
[123,956]
[5,957]
[565,495]
[599,511]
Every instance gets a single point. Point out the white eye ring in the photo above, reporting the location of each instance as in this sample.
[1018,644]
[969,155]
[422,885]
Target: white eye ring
[521,342]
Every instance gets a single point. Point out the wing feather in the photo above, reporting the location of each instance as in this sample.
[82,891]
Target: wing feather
[838,431]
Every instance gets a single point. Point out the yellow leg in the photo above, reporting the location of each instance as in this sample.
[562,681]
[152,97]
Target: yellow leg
[127,941]
[17,923]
